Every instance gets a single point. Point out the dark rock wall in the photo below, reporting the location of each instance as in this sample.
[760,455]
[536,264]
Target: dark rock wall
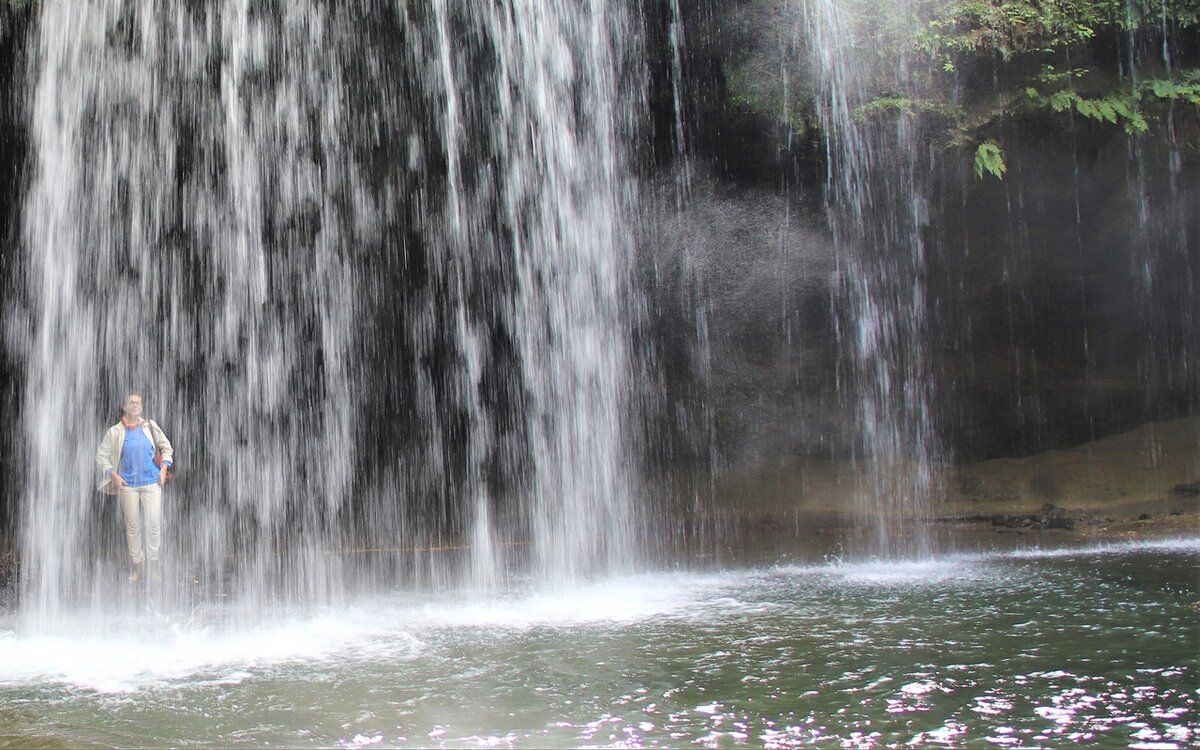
[1061,320]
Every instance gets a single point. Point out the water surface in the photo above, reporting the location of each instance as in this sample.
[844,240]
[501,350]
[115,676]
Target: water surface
[1020,649]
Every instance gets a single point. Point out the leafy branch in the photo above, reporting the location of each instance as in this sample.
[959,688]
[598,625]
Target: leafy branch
[1013,36]
[989,158]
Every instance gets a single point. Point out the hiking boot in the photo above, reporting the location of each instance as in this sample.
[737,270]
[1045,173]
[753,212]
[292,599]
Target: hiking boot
[155,574]
[135,573]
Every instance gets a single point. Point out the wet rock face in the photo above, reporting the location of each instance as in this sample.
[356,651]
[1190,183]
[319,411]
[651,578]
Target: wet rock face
[1059,300]
[1033,345]
[1057,338]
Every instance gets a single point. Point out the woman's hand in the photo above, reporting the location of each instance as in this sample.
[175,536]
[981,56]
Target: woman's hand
[164,473]
[118,481]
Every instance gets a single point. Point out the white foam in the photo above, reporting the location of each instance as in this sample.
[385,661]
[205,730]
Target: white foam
[618,601]
[128,658]
[940,570]
[1180,544]
[969,566]
[123,655]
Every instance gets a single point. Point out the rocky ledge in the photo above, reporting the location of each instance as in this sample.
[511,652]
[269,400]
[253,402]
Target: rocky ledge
[1143,484]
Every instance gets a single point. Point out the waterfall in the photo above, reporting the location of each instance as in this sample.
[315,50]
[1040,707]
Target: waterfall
[545,215]
[370,275]
[877,203]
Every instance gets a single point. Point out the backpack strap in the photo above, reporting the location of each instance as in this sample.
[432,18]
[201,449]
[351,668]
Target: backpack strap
[155,432]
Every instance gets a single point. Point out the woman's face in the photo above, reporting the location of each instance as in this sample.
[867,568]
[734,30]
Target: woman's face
[133,406]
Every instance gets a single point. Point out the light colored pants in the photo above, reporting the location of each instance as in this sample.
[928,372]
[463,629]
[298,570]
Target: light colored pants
[134,500]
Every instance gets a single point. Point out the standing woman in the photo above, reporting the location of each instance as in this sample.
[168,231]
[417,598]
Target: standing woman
[126,458]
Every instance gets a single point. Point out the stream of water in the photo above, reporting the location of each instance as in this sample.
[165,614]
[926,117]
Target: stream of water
[367,269]
[1006,649]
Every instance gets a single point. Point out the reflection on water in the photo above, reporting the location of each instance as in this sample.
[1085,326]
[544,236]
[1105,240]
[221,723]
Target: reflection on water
[1011,650]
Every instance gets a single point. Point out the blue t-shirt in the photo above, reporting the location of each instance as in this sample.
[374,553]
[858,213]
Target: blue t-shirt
[137,459]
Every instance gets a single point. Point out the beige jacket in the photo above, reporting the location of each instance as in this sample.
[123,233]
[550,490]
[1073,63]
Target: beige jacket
[108,455]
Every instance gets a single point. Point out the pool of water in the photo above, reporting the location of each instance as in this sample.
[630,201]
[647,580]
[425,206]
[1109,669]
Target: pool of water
[1016,649]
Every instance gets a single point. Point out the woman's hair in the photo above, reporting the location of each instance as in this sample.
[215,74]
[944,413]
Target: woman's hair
[121,406]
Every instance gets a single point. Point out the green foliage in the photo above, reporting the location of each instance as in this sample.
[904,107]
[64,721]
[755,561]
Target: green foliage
[1187,88]
[1050,75]
[1006,28]
[1010,28]
[1026,43]
[904,106]
[989,158]
[1118,108]
[1123,107]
